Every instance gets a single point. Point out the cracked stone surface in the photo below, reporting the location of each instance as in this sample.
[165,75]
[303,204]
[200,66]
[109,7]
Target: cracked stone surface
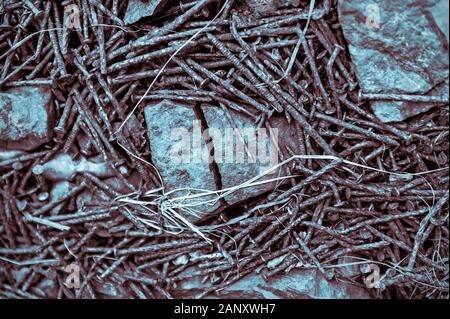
[396,49]
[138,9]
[174,127]
[394,111]
[170,126]
[235,169]
[26,118]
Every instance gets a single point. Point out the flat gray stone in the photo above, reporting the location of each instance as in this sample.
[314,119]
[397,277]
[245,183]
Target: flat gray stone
[394,111]
[26,118]
[440,15]
[138,9]
[349,267]
[396,49]
[170,126]
[239,162]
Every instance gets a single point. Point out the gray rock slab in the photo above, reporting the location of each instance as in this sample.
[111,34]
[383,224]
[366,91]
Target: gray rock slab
[240,161]
[440,15]
[180,155]
[396,49]
[261,6]
[394,111]
[138,9]
[26,118]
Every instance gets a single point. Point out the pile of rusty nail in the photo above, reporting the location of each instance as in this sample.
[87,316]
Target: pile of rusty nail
[58,210]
